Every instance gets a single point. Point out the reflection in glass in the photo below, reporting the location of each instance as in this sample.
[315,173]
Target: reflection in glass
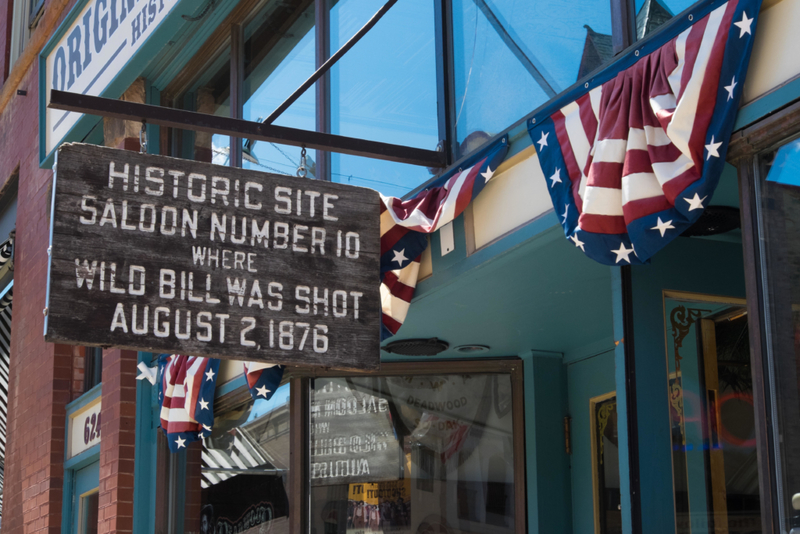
[779,226]
[715,469]
[605,465]
[245,468]
[209,93]
[412,454]
[384,89]
[511,57]
[650,14]
[279,57]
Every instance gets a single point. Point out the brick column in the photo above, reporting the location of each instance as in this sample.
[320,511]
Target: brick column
[117,442]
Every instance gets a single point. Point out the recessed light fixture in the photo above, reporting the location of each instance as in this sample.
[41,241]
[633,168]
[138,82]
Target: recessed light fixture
[417,347]
[471,349]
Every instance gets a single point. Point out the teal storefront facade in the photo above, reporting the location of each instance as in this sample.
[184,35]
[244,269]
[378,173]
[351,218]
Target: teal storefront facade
[538,391]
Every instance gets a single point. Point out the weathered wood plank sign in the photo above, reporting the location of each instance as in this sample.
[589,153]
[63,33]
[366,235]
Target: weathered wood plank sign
[169,255]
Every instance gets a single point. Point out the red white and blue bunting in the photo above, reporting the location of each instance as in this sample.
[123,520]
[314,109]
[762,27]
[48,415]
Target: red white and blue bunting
[406,223]
[186,391]
[633,158]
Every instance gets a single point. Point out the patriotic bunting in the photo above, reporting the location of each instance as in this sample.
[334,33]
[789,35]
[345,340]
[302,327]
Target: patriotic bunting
[633,158]
[263,379]
[186,395]
[405,223]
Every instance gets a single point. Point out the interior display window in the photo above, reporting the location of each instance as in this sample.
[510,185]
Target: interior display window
[778,209]
[605,465]
[384,89]
[712,420]
[414,453]
[511,57]
[244,469]
[279,55]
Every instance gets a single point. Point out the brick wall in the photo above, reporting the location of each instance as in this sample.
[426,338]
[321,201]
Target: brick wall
[117,444]
[40,381]
[43,377]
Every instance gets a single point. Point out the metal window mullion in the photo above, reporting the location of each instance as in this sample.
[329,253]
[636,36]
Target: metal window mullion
[299,495]
[623,24]
[322,21]
[445,78]
[236,77]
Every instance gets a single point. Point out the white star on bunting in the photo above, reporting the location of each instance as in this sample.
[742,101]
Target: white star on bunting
[147,373]
[210,375]
[400,257]
[744,25]
[566,210]
[543,141]
[577,240]
[203,404]
[262,391]
[200,435]
[556,178]
[713,148]
[180,442]
[622,253]
[730,87]
[207,427]
[488,174]
[695,203]
[663,226]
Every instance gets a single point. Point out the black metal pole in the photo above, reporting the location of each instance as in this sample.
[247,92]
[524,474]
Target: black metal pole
[204,122]
[325,67]
[237,70]
[322,36]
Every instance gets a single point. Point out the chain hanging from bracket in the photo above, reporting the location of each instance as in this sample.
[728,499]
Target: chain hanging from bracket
[302,169]
[143,138]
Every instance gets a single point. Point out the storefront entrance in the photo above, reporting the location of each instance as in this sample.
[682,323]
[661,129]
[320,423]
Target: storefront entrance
[714,457]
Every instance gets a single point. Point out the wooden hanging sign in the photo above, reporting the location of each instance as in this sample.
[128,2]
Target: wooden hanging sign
[160,254]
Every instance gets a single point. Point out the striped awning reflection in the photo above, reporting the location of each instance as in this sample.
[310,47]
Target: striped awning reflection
[6,296]
[259,446]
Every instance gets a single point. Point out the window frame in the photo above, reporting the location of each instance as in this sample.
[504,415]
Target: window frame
[745,147]
[300,409]
[623,37]
[299,417]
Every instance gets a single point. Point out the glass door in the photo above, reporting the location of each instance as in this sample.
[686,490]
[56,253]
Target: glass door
[710,387]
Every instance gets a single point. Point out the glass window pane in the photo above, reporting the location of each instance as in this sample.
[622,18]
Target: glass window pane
[88,510]
[384,89]
[279,57]
[710,388]
[208,93]
[412,454]
[245,469]
[511,57]
[780,239]
[650,14]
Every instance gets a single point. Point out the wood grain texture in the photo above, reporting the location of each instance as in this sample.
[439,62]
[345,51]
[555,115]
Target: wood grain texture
[255,302]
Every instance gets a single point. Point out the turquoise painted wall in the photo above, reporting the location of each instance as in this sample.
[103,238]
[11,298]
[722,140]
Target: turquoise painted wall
[547,464]
[586,379]
[687,264]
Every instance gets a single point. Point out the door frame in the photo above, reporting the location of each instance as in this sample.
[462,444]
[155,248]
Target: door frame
[77,462]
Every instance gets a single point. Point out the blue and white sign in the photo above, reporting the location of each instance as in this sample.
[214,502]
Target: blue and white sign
[90,50]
